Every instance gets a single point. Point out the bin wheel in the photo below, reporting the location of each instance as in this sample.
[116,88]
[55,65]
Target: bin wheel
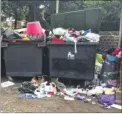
[10,78]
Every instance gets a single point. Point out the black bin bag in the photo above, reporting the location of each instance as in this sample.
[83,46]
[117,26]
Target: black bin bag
[110,73]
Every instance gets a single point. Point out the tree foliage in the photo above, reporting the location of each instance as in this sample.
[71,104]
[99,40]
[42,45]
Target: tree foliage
[110,9]
[14,9]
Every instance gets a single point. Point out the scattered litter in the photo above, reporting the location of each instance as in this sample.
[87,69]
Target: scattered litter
[111,67]
[59,31]
[27,87]
[48,95]
[95,91]
[60,85]
[108,107]
[27,95]
[79,97]
[7,84]
[88,100]
[117,106]
[109,90]
[106,99]
[93,102]
[85,101]
[92,37]
[69,98]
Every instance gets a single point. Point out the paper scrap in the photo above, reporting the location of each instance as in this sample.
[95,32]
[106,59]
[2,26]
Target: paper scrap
[7,84]
[117,106]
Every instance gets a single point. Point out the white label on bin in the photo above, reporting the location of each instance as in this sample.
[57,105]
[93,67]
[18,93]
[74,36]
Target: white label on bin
[70,56]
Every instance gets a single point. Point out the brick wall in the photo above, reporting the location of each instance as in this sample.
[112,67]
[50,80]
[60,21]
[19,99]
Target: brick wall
[121,77]
[108,39]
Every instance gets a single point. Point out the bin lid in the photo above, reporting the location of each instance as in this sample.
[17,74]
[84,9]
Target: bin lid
[80,20]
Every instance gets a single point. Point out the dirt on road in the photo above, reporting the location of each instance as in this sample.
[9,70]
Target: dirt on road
[9,102]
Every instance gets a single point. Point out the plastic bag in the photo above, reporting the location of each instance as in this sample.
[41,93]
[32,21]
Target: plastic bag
[72,39]
[110,73]
[59,31]
[106,99]
[10,34]
[27,87]
[99,58]
[92,37]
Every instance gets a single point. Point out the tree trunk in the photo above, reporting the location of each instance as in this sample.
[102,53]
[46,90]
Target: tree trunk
[31,16]
[15,26]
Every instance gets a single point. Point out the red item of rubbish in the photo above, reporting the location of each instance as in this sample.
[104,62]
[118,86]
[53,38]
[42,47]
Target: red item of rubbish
[104,57]
[77,93]
[50,93]
[54,39]
[116,51]
[34,28]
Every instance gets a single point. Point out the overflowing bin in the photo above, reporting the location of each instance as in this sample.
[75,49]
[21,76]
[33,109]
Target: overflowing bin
[23,55]
[63,61]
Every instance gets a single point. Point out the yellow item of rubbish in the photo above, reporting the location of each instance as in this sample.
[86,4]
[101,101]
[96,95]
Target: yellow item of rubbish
[109,90]
[26,38]
[98,93]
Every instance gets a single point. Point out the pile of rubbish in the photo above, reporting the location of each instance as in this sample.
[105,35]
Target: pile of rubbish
[101,90]
[108,66]
[72,35]
[33,32]
[38,87]
[60,35]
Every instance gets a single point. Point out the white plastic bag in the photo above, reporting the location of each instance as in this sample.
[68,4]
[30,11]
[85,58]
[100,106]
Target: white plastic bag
[92,37]
[59,31]
[72,39]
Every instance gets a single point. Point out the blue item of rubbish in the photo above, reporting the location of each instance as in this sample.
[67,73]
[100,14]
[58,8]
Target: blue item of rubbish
[80,97]
[27,96]
[111,58]
[85,32]
[106,100]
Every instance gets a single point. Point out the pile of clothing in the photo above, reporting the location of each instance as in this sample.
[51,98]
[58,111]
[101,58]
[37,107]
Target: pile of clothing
[72,35]
[113,54]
